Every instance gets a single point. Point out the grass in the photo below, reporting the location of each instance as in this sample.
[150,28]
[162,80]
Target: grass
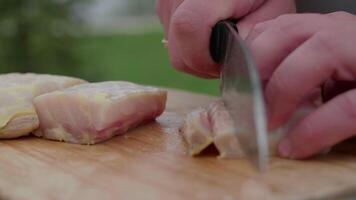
[140,58]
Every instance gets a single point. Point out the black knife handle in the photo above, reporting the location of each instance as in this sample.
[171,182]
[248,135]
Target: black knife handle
[218,40]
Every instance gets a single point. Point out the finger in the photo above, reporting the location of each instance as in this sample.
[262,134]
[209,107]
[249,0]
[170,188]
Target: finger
[302,71]
[164,10]
[191,25]
[342,15]
[330,124]
[257,30]
[269,10]
[272,44]
[178,64]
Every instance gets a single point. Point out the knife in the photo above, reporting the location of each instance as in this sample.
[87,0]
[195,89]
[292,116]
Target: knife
[241,91]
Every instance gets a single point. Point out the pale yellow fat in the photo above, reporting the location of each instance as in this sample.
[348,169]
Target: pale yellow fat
[30,88]
[63,136]
[19,126]
[11,112]
[58,134]
[21,110]
[100,97]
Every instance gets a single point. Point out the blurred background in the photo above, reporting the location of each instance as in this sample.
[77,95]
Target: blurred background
[100,40]
[96,40]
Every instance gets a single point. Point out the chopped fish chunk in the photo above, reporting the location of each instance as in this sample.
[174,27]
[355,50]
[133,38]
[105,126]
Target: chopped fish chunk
[208,125]
[223,130]
[17,113]
[197,131]
[91,113]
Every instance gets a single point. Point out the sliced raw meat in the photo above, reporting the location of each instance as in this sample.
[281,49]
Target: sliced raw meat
[197,131]
[209,125]
[91,113]
[223,130]
[17,113]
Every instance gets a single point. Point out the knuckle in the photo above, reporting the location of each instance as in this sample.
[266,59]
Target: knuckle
[279,85]
[287,24]
[260,27]
[322,40]
[252,5]
[285,18]
[257,30]
[341,14]
[185,22]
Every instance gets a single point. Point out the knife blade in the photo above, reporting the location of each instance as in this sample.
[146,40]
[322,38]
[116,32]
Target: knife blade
[241,91]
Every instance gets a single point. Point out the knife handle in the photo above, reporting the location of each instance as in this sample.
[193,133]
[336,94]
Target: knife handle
[218,39]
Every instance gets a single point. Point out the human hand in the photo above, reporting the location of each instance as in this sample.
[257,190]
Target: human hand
[187,25]
[297,53]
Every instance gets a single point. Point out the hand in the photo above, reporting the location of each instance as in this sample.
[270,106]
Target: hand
[187,26]
[297,53]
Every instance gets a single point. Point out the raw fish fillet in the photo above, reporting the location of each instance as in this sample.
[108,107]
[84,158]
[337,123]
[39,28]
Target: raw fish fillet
[17,113]
[91,113]
[197,131]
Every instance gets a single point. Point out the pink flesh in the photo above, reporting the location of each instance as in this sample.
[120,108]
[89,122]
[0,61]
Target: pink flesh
[223,131]
[211,122]
[91,113]
[197,131]
[17,92]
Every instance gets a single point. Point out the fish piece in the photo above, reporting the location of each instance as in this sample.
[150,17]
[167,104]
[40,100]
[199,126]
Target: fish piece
[92,113]
[214,122]
[197,131]
[17,113]
[223,130]
[211,125]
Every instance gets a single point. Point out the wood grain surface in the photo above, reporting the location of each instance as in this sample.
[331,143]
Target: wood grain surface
[150,162]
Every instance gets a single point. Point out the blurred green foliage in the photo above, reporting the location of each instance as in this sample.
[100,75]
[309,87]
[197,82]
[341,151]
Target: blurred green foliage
[139,58]
[35,35]
[139,7]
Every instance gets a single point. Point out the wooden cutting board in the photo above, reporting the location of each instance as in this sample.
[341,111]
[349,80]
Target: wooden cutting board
[150,162]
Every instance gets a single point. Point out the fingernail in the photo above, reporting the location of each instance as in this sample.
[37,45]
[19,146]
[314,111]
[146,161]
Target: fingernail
[285,149]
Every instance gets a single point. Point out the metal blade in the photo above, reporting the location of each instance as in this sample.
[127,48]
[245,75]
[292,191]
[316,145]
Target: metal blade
[242,95]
